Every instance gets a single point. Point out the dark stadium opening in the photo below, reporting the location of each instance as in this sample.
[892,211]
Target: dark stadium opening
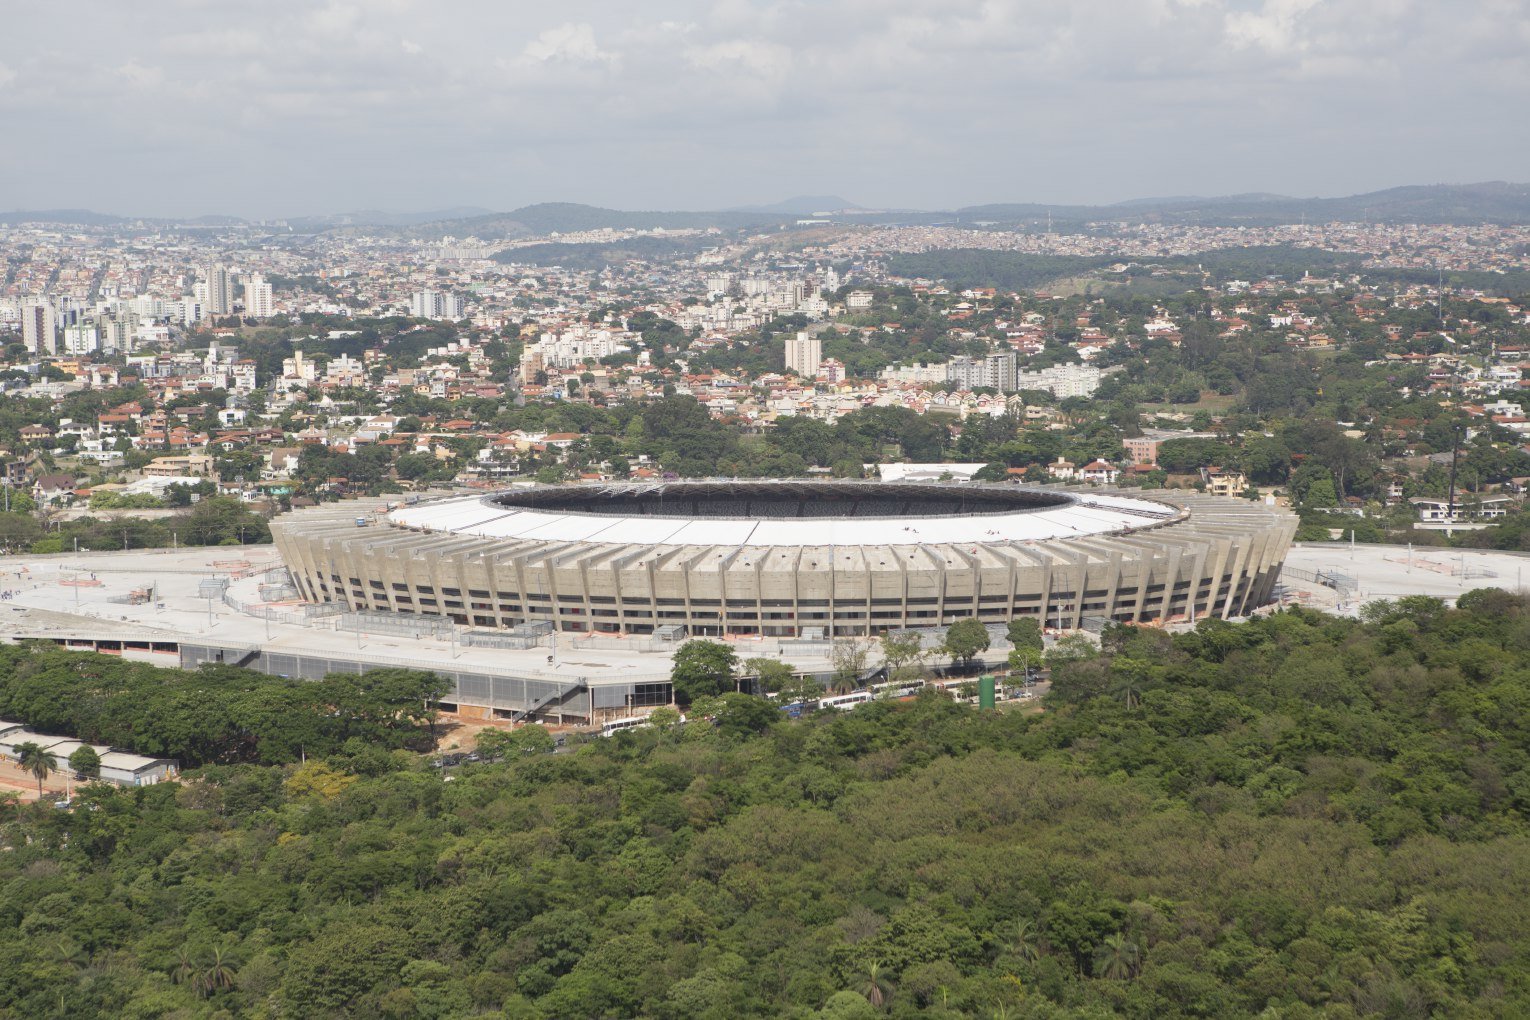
[783,500]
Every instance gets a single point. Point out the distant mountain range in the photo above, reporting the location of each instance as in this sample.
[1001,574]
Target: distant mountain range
[73,217]
[1490,202]
[803,205]
[379,218]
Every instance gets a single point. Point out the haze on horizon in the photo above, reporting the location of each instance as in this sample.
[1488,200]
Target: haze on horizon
[294,107]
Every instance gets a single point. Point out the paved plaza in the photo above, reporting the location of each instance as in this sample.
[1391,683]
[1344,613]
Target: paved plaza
[153,601]
[1366,573]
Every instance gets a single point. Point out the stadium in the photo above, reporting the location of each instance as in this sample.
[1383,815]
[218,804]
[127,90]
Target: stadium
[792,559]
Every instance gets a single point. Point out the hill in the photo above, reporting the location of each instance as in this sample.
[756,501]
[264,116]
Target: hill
[1490,202]
[803,205]
[382,218]
[570,217]
[1299,816]
[68,217]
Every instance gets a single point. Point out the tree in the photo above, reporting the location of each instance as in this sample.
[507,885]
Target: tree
[743,714]
[800,689]
[493,744]
[702,668]
[532,739]
[1128,689]
[86,762]
[1116,959]
[218,974]
[903,655]
[1023,659]
[1024,631]
[772,674]
[664,718]
[1024,940]
[875,986]
[185,970]
[965,640]
[33,758]
[848,657]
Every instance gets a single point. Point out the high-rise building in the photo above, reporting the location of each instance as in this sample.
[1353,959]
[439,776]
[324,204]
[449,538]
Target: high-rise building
[117,332]
[257,297]
[81,338]
[996,370]
[39,327]
[216,293]
[1062,380]
[435,304]
[803,355]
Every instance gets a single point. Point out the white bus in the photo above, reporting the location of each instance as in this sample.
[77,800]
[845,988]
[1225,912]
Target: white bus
[616,726]
[845,702]
[896,689]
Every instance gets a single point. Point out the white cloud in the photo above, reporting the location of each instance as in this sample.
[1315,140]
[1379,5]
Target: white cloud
[896,102]
[140,77]
[741,55]
[571,42]
[1273,27]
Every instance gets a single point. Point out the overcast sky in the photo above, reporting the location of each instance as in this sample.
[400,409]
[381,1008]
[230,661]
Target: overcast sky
[289,107]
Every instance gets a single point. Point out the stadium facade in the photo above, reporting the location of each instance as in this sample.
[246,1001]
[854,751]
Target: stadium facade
[793,559]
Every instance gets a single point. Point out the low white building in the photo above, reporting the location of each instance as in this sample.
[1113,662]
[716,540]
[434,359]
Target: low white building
[1467,507]
[118,767]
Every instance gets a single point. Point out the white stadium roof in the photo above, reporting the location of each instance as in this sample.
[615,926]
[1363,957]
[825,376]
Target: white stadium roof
[1088,514]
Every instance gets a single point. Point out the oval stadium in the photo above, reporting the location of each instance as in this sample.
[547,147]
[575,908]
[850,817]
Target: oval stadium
[793,559]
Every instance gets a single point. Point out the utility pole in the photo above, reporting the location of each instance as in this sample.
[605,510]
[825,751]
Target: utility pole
[1455,453]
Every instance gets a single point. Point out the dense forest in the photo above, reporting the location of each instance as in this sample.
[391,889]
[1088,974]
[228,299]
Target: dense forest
[219,713]
[1299,816]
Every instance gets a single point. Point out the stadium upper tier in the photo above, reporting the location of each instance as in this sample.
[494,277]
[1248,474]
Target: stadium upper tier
[786,514]
[793,558]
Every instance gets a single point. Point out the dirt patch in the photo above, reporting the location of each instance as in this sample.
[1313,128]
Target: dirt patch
[456,733]
[459,734]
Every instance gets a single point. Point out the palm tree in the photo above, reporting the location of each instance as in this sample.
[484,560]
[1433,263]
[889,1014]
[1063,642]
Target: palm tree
[219,974]
[876,987]
[35,759]
[68,952]
[1128,690]
[1116,958]
[185,967]
[1024,942]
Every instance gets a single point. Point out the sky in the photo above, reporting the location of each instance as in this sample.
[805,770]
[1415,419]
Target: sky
[295,107]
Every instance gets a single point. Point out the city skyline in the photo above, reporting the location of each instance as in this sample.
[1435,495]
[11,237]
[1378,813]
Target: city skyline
[183,109]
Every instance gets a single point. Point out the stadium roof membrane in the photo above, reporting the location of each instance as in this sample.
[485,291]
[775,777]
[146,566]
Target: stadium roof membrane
[791,514]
